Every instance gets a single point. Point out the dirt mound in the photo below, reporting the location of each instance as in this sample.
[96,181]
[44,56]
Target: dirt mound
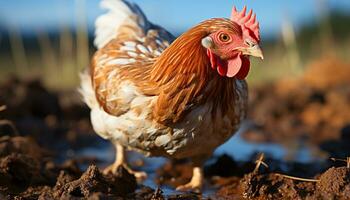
[92,184]
[53,119]
[25,165]
[332,184]
[312,109]
[25,173]
[327,73]
[247,182]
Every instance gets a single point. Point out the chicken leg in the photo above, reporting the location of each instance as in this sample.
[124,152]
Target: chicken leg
[120,160]
[196,181]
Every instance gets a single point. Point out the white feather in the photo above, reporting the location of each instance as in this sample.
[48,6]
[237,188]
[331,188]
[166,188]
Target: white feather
[119,13]
[130,44]
[127,48]
[87,91]
[142,48]
[97,115]
[132,54]
[120,61]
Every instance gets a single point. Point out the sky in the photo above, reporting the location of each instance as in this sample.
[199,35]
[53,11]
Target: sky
[174,15]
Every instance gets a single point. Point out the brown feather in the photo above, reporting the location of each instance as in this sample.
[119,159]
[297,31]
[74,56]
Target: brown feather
[183,74]
[181,77]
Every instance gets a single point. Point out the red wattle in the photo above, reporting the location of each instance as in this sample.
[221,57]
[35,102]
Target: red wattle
[237,67]
[243,72]
[222,67]
[234,65]
[212,58]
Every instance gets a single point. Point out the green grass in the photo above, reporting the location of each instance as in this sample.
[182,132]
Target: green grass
[57,63]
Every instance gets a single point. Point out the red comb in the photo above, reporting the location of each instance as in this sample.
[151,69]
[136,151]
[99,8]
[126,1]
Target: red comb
[247,21]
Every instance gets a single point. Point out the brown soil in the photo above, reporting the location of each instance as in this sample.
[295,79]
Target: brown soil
[311,109]
[244,183]
[332,184]
[28,176]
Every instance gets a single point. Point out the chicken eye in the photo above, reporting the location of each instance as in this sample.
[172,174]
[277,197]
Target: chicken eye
[224,37]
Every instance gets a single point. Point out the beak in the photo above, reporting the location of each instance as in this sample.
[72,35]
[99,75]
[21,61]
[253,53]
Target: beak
[254,51]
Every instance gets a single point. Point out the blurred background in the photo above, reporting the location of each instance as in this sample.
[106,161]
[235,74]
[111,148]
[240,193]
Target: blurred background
[52,39]
[299,97]
[44,44]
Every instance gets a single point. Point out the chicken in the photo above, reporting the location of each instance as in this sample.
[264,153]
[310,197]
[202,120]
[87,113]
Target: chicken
[163,97]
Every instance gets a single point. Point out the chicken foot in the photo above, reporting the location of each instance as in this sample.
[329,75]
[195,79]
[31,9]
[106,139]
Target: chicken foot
[196,181]
[120,160]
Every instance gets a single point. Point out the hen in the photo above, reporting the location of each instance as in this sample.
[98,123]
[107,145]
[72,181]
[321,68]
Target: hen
[177,99]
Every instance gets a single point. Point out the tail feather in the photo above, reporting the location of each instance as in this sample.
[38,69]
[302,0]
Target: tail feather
[98,116]
[120,12]
[87,91]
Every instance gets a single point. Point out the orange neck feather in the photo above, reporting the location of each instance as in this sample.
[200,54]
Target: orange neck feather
[185,78]
[185,56]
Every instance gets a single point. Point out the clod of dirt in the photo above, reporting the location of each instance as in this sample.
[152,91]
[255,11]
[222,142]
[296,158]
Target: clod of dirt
[33,193]
[335,183]
[229,188]
[268,186]
[148,193]
[25,169]
[18,172]
[21,145]
[94,183]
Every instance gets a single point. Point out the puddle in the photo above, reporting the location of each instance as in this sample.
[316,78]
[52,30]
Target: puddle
[242,150]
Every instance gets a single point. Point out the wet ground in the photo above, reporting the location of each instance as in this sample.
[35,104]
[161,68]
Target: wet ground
[48,149]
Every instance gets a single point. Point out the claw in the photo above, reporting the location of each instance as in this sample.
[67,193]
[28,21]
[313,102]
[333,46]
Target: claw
[112,169]
[196,182]
[190,187]
[139,175]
